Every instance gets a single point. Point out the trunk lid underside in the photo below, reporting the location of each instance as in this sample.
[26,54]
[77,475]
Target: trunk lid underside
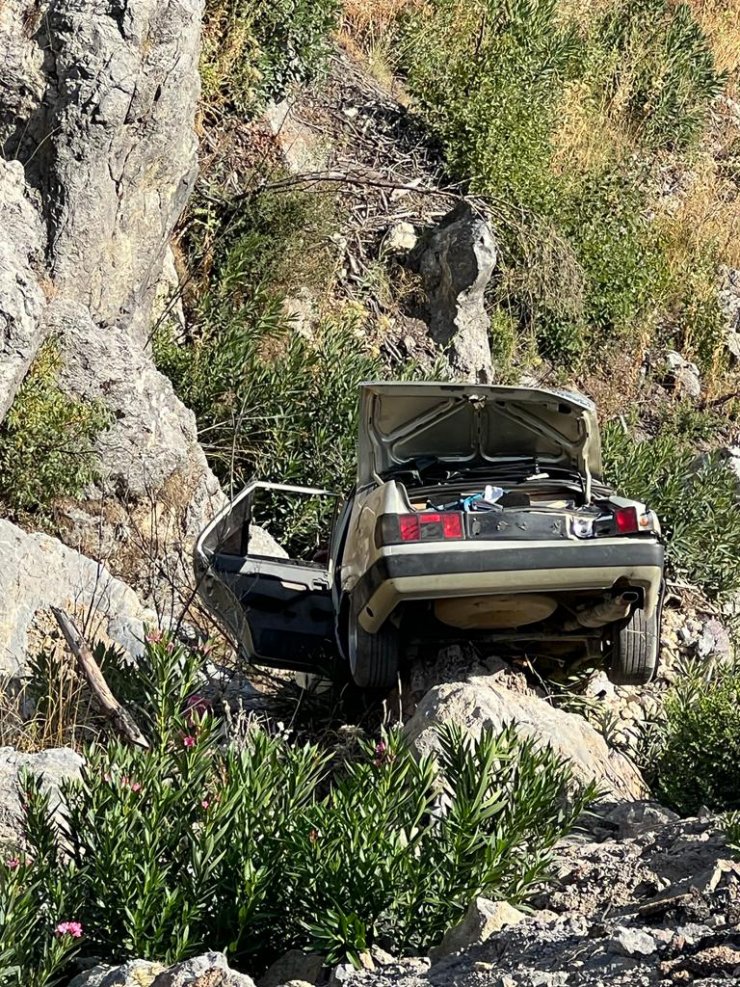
[474,425]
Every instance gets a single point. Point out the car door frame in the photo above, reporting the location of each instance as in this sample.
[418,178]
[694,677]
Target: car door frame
[230,610]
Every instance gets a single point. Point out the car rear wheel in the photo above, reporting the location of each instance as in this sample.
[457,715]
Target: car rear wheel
[373,658]
[634,653]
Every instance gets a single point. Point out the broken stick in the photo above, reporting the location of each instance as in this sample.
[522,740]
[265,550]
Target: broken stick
[112,709]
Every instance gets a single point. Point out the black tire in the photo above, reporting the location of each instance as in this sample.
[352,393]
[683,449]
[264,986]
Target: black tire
[634,653]
[373,658]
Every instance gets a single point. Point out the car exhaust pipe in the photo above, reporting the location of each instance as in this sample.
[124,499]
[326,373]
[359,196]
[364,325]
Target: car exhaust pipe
[606,612]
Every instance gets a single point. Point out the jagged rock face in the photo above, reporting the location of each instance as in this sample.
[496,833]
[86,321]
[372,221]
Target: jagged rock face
[37,572]
[107,137]
[97,103]
[456,263]
[22,299]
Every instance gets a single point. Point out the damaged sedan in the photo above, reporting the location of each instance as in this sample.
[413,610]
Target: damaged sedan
[479,514]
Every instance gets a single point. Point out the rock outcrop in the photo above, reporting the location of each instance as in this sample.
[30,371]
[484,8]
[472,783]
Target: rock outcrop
[486,698]
[456,262]
[97,107]
[101,109]
[37,572]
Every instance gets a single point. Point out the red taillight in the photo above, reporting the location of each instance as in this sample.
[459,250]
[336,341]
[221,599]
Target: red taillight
[626,521]
[409,527]
[426,526]
[452,525]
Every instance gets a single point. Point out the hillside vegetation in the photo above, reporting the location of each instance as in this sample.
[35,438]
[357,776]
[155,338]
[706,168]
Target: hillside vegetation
[604,139]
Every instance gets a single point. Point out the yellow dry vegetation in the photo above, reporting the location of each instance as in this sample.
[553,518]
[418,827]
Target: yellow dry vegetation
[588,138]
[720,21]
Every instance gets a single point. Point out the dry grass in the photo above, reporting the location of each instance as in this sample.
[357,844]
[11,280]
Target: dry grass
[371,19]
[60,712]
[366,33]
[720,21]
[588,138]
[708,216]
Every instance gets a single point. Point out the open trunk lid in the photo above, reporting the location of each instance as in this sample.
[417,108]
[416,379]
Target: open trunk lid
[474,425]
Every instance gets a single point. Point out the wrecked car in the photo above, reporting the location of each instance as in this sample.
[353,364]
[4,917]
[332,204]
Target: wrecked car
[480,515]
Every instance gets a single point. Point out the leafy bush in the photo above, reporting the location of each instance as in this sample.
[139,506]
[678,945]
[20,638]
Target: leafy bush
[195,844]
[694,499]
[46,440]
[487,75]
[662,69]
[254,49]
[697,757]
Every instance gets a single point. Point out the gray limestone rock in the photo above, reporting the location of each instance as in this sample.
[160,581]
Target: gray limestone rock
[22,300]
[202,971]
[111,144]
[37,572]
[456,263]
[484,700]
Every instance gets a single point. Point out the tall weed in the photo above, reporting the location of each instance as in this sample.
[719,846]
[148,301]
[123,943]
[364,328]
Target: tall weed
[662,71]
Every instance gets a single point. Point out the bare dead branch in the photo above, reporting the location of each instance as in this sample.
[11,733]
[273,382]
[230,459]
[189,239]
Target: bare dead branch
[112,709]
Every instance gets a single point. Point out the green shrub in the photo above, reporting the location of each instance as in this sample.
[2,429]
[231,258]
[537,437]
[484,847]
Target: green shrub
[34,944]
[47,439]
[270,402]
[662,68]
[487,75]
[254,49]
[697,758]
[195,844]
[270,239]
[695,501]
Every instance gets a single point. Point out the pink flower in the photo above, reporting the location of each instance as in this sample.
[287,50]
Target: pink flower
[382,755]
[13,863]
[73,929]
[188,740]
[205,804]
[136,787]
[195,707]
[154,637]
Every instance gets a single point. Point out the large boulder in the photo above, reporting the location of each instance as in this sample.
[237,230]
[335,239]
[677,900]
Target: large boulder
[456,263]
[22,298]
[484,701]
[37,572]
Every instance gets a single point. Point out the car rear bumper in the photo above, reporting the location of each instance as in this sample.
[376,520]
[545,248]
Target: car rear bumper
[433,572]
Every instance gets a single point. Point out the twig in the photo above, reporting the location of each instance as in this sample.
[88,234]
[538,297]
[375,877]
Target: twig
[112,709]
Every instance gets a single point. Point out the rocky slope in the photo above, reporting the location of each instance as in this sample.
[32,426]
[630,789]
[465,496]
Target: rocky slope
[640,898]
